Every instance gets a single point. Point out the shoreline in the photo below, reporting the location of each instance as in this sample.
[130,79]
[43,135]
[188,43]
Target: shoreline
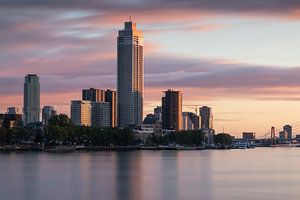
[69,149]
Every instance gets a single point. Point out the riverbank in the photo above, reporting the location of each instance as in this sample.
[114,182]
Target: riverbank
[66,149]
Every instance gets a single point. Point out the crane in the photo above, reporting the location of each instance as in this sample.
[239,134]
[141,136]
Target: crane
[195,107]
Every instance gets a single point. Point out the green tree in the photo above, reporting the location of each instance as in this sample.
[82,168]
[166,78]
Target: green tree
[223,139]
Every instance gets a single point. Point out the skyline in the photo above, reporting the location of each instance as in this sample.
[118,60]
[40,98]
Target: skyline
[243,59]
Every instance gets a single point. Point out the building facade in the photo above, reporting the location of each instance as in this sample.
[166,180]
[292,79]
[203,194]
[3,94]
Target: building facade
[248,135]
[157,113]
[31,101]
[81,113]
[190,121]
[289,130]
[130,83]
[283,135]
[47,113]
[187,123]
[172,110]
[111,97]
[101,114]
[206,117]
[93,95]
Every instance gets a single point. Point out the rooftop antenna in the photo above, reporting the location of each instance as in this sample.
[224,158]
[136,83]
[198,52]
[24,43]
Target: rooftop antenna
[130,18]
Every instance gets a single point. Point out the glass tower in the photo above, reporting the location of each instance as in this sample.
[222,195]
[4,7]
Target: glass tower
[130,84]
[31,102]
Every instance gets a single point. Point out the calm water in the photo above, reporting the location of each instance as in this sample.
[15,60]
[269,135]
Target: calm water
[261,173]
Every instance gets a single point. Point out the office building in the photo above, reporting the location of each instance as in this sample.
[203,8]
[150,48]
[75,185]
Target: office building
[47,113]
[81,113]
[206,117]
[289,130]
[93,95]
[172,110]
[31,103]
[101,114]
[110,96]
[130,83]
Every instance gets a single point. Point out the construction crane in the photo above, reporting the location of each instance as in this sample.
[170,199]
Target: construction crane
[195,107]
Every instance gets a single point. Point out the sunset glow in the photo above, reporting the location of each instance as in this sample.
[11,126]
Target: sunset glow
[242,60]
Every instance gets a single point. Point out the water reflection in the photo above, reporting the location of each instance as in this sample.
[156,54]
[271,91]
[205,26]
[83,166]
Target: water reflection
[147,175]
[128,177]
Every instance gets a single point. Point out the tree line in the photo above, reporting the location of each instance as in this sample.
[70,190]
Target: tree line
[60,130]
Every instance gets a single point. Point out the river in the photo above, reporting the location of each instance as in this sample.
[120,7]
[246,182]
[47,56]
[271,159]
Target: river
[260,174]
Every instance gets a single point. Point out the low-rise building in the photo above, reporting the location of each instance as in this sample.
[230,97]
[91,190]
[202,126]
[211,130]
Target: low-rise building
[248,135]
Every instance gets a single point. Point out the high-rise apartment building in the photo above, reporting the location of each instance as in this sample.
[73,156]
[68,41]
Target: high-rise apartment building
[172,110]
[47,113]
[81,113]
[31,103]
[206,117]
[110,96]
[130,82]
[93,95]
[101,114]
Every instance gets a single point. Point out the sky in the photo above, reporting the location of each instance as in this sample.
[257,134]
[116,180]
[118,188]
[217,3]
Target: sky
[242,58]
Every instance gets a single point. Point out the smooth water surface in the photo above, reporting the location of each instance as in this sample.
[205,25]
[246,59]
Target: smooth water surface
[261,173]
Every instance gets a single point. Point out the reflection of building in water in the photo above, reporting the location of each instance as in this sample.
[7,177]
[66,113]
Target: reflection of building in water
[129,175]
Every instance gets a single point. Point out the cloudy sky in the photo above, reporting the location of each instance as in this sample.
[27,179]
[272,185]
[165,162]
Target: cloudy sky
[240,57]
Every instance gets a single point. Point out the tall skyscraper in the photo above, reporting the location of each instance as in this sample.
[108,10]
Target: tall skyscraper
[47,113]
[31,101]
[93,95]
[110,96]
[206,117]
[81,113]
[172,110]
[130,82]
[101,114]
[289,130]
